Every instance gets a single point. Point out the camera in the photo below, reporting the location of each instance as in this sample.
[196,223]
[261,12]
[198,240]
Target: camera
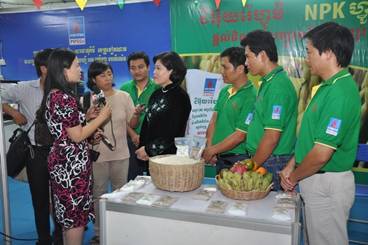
[100,99]
[94,155]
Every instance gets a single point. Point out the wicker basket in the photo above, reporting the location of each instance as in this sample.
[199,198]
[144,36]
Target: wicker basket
[244,195]
[180,178]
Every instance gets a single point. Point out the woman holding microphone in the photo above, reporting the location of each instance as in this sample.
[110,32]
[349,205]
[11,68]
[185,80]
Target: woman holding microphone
[69,161]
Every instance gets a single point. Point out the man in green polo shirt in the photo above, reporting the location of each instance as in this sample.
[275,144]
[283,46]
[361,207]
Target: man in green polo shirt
[328,139]
[140,89]
[271,133]
[232,113]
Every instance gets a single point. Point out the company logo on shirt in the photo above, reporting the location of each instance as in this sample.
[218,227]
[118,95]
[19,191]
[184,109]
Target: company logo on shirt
[209,86]
[333,126]
[276,112]
[249,118]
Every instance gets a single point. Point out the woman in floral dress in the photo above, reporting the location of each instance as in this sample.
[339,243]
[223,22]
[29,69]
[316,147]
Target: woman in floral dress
[69,161]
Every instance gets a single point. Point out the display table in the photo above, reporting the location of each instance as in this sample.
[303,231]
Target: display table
[187,221]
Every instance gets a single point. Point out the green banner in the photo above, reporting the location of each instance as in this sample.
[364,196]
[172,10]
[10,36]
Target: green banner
[200,32]
[198,27]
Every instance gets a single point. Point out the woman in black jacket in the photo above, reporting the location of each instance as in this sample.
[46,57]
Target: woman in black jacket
[168,109]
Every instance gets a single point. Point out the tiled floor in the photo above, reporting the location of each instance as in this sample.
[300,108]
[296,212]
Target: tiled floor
[21,213]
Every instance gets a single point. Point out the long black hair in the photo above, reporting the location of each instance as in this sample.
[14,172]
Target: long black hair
[59,60]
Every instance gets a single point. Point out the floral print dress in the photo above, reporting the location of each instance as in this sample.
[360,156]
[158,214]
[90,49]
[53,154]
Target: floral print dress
[69,164]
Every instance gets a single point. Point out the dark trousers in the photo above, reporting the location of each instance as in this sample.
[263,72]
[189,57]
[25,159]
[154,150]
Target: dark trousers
[136,166]
[38,178]
[274,164]
[228,160]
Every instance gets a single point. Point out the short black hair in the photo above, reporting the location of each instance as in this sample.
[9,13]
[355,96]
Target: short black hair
[138,55]
[172,61]
[258,41]
[41,59]
[236,57]
[96,68]
[334,37]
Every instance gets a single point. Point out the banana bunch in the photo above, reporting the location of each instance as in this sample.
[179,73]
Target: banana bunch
[248,181]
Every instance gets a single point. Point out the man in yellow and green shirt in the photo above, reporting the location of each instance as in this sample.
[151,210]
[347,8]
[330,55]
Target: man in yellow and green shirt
[328,138]
[232,114]
[271,133]
[140,89]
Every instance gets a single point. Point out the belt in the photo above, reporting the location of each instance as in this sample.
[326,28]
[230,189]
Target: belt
[230,155]
[272,155]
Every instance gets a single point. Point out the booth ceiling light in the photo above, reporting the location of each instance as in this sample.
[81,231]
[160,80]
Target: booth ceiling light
[244,2]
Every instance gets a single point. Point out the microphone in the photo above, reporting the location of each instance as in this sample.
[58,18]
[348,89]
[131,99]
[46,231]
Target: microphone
[100,96]
[101,101]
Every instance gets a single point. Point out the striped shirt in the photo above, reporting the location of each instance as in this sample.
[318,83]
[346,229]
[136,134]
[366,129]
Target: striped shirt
[28,95]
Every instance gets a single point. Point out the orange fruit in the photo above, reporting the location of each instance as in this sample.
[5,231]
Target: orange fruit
[261,170]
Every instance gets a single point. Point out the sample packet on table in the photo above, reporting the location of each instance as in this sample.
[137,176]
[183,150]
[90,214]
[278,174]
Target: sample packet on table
[217,207]
[182,146]
[165,202]
[190,146]
[132,185]
[286,200]
[132,197]
[283,214]
[205,193]
[285,205]
[148,199]
[197,147]
[238,209]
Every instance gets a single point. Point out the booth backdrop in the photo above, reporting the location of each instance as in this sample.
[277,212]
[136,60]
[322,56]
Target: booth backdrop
[101,32]
[199,32]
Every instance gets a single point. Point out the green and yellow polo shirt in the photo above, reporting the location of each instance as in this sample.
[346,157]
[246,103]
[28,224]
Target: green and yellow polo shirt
[275,108]
[332,119]
[234,112]
[140,97]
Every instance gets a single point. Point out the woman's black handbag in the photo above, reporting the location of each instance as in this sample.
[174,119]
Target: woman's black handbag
[20,151]
[43,136]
